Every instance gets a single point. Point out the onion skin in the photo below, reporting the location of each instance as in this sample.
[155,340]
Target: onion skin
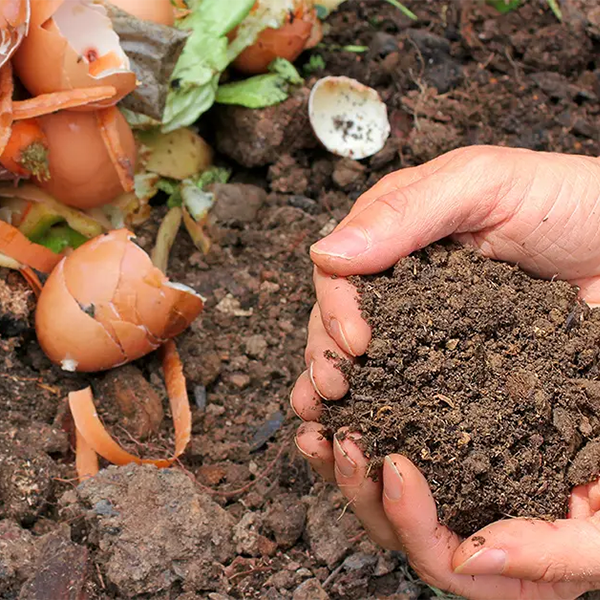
[81,171]
[158,11]
[106,304]
[286,42]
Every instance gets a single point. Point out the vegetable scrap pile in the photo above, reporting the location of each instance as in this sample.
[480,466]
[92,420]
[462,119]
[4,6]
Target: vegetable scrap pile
[98,103]
[485,378]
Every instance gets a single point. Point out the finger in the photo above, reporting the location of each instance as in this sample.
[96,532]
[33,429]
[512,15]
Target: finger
[579,503]
[410,508]
[565,551]
[341,315]
[304,400]
[471,194]
[316,449]
[327,379]
[395,181]
[362,492]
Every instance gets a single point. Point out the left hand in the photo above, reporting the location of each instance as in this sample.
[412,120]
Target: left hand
[516,559]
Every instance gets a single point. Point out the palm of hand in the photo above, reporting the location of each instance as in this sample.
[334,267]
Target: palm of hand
[538,210]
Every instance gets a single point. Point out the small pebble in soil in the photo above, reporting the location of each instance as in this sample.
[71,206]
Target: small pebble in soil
[484,377]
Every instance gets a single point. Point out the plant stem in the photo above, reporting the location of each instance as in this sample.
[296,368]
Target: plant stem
[409,13]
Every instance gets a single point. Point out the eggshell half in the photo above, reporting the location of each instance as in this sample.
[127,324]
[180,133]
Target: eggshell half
[81,171]
[106,304]
[69,336]
[349,118]
[71,44]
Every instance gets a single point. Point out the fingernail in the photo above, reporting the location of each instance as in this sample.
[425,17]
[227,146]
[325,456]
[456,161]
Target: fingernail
[392,481]
[488,561]
[292,403]
[349,242]
[345,465]
[338,334]
[312,380]
[305,454]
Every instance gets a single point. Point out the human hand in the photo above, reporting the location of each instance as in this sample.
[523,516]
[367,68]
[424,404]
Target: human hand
[513,204]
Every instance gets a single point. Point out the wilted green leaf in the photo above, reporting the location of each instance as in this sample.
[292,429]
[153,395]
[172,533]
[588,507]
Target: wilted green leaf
[261,90]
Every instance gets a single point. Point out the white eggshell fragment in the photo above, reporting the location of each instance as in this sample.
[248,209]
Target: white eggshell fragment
[349,118]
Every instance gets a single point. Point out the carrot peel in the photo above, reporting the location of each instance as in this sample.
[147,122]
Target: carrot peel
[14,244]
[94,435]
[48,103]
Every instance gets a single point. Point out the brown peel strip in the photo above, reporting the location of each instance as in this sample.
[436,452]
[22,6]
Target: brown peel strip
[32,279]
[107,120]
[6,104]
[86,459]
[48,103]
[93,432]
[14,244]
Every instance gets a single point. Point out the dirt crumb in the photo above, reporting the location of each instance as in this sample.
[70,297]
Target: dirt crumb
[485,378]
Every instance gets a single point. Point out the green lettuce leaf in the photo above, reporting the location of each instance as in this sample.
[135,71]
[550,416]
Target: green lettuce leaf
[208,52]
[59,237]
[261,90]
[196,76]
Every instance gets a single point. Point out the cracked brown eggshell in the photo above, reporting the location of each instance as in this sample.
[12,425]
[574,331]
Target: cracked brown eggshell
[106,304]
[71,44]
[82,173]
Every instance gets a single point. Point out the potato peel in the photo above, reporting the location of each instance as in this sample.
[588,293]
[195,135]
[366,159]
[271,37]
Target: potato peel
[110,135]
[92,436]
[48,103]
[15,245]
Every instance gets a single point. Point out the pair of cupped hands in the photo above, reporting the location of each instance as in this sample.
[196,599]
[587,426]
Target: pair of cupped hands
[539,210]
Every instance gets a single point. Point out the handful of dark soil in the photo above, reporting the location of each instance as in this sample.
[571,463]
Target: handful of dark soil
[484,377]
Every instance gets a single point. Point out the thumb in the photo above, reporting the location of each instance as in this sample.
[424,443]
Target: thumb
[560,552]
[468,193]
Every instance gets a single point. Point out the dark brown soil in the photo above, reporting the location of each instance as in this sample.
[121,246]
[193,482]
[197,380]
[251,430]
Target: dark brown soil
[485,378]
[460,75]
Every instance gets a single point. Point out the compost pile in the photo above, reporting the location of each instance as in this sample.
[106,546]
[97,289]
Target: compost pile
[485,378]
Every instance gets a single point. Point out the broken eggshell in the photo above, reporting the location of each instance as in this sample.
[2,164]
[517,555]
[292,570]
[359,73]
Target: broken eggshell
[348,118]
[14,25]
[82,173]
[106,304]
[71,44]
[157,11]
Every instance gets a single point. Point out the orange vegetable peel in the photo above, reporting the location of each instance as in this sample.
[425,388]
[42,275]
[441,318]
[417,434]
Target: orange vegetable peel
[6,103]
[48,103]
[92,436]
[14,244]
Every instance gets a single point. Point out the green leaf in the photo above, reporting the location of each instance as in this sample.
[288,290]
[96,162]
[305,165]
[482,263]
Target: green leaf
[59,237]
[315,63]
[196,76]
[504,6]
[212,175]
[261,90]
[208,52]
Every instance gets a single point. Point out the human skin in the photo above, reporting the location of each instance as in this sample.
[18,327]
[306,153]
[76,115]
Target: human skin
[538,210]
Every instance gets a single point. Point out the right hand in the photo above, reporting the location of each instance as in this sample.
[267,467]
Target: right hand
[539,210]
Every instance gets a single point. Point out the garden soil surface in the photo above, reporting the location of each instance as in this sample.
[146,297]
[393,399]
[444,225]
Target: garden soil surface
[242,515]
